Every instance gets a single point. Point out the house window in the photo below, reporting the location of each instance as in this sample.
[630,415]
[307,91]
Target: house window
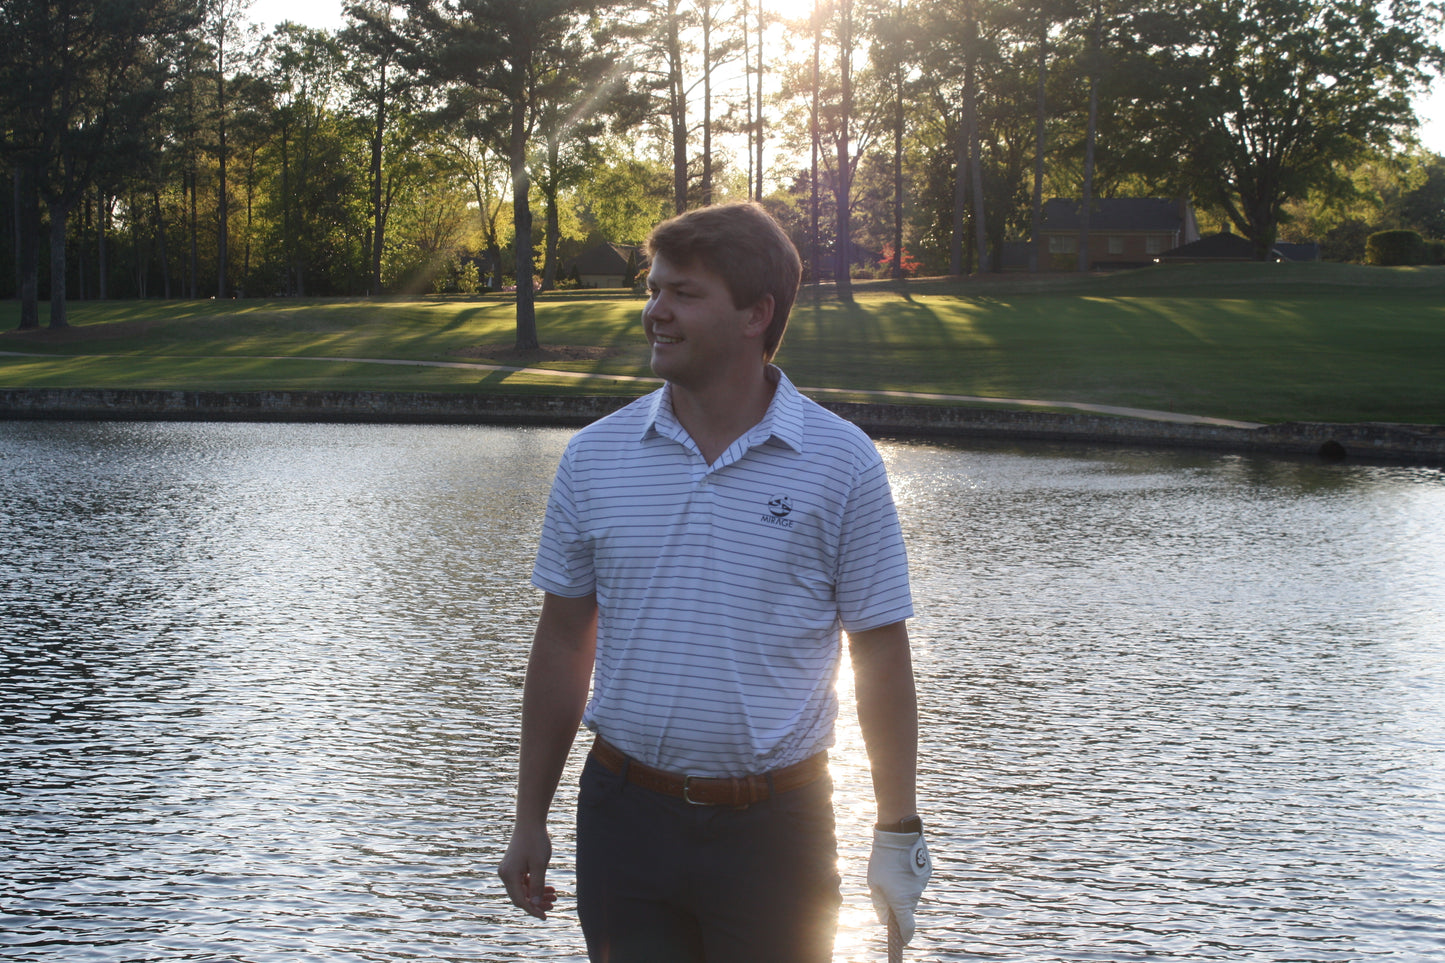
[1154,245]
[1116,244]
[1063,244]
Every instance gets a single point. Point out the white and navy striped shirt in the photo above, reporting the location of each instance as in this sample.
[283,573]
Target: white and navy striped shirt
[721,588]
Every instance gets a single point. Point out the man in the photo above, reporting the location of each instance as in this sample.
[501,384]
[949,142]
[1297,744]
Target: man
[701,549]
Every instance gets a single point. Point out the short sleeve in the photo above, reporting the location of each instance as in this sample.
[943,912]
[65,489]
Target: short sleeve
[564,564]
[872,576]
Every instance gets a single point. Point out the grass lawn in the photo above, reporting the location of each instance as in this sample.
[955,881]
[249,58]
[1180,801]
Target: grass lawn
[1257,342]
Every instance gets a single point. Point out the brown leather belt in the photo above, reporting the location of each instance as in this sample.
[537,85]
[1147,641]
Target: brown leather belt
[735,791]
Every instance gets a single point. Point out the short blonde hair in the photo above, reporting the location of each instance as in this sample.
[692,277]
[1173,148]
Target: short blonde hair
[745,246]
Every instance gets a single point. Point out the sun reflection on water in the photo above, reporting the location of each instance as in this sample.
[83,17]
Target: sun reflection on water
[262,696]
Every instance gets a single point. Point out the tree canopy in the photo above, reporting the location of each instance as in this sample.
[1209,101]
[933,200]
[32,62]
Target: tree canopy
[171,148]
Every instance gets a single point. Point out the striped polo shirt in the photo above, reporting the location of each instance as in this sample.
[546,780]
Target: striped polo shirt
[722,588]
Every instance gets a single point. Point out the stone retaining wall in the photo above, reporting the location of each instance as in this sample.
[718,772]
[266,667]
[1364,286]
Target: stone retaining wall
[1373,442]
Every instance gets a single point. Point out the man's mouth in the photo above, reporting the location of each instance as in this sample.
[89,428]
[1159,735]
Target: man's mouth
[665,339]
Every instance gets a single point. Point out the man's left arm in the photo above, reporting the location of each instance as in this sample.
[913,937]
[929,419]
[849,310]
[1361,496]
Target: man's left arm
[899,866]
[888,716]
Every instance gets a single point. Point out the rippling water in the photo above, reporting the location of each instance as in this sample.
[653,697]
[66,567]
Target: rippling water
[261,692]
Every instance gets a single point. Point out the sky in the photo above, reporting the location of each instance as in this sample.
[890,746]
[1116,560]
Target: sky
[327,13]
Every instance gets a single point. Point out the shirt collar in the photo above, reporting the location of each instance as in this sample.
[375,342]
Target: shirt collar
[783,420]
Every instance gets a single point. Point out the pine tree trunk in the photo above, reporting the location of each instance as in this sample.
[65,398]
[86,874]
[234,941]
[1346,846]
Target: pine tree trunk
[957,265]
[677,107]
[522,222]
[222,201]
[814,257]
[378,219]
[27,241]
[975,161]
[1087,201]
[844,191]
[758,144]
[161,249]
[552,230]
[897,266]
[1036,212]
[706,104]
[102,222]
[195,240]
[59,220]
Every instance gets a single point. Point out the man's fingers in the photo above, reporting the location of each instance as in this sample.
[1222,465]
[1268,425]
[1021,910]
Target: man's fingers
[524,872]
[540,897]
[547,899]
[535,900]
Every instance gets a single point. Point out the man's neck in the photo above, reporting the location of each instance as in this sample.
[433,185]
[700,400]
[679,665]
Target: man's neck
[718,414]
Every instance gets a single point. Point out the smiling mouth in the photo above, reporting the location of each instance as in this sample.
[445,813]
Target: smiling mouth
[664,339]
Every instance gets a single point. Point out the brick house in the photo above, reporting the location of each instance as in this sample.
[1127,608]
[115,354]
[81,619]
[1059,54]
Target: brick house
[607,265]
[1124,232]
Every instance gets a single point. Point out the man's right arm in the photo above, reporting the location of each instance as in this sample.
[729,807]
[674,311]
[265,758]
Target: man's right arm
[553,697]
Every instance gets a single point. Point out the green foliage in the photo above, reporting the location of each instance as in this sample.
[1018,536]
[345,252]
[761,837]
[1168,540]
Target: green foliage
[1396,249]
[1278,94]
[1384,192]
[333,148]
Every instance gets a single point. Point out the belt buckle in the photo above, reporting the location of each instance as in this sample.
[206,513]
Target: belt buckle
[686,792]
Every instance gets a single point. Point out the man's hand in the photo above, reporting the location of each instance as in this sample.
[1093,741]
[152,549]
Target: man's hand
[898,870]
[558,672]
[524,871]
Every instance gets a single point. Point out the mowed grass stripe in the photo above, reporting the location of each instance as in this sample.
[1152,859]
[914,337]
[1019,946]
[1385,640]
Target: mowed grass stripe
[1252,342]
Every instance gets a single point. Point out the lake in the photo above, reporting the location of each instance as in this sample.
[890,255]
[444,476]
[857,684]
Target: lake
[261,688]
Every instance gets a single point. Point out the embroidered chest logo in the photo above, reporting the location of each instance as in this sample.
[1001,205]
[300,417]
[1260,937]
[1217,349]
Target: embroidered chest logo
[779,508]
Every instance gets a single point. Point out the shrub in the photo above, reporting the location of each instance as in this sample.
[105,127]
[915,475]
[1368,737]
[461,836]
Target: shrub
[906,261]
[1436,251]
[1395,248]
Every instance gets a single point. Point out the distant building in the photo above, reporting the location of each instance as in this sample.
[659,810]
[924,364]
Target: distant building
[1309,251]
[1214,249]
[1224,247]
[1124,232]
[607,265]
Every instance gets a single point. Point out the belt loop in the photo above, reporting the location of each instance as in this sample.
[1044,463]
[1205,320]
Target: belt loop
[622,776]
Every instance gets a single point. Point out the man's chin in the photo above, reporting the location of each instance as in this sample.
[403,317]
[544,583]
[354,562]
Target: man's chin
[659,365]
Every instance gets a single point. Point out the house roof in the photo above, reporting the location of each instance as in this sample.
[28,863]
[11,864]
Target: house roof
[1114,214]
[608,258]
[1223,246]
[1308,251]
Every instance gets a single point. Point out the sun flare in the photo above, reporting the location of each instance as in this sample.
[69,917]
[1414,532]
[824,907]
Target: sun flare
[789,11]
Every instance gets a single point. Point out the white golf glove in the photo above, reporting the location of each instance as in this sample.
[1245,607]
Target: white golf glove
[898,870]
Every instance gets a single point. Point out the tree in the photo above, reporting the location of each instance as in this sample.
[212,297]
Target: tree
[504,55]
[954,63]
[893,55]
[486,172]
[624,195]
[843,173]
[379,90]
[1277,94]
[76,84]
[228,33]
[715,54]
[577,99]
[305,77]
[759,133]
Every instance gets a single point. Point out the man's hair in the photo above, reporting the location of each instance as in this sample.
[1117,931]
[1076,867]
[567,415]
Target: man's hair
[743,245]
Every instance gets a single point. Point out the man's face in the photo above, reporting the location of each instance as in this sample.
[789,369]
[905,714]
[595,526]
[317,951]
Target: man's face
[695,332]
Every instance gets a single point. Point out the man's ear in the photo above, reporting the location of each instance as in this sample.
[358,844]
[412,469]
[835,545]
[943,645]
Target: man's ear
[760,316]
